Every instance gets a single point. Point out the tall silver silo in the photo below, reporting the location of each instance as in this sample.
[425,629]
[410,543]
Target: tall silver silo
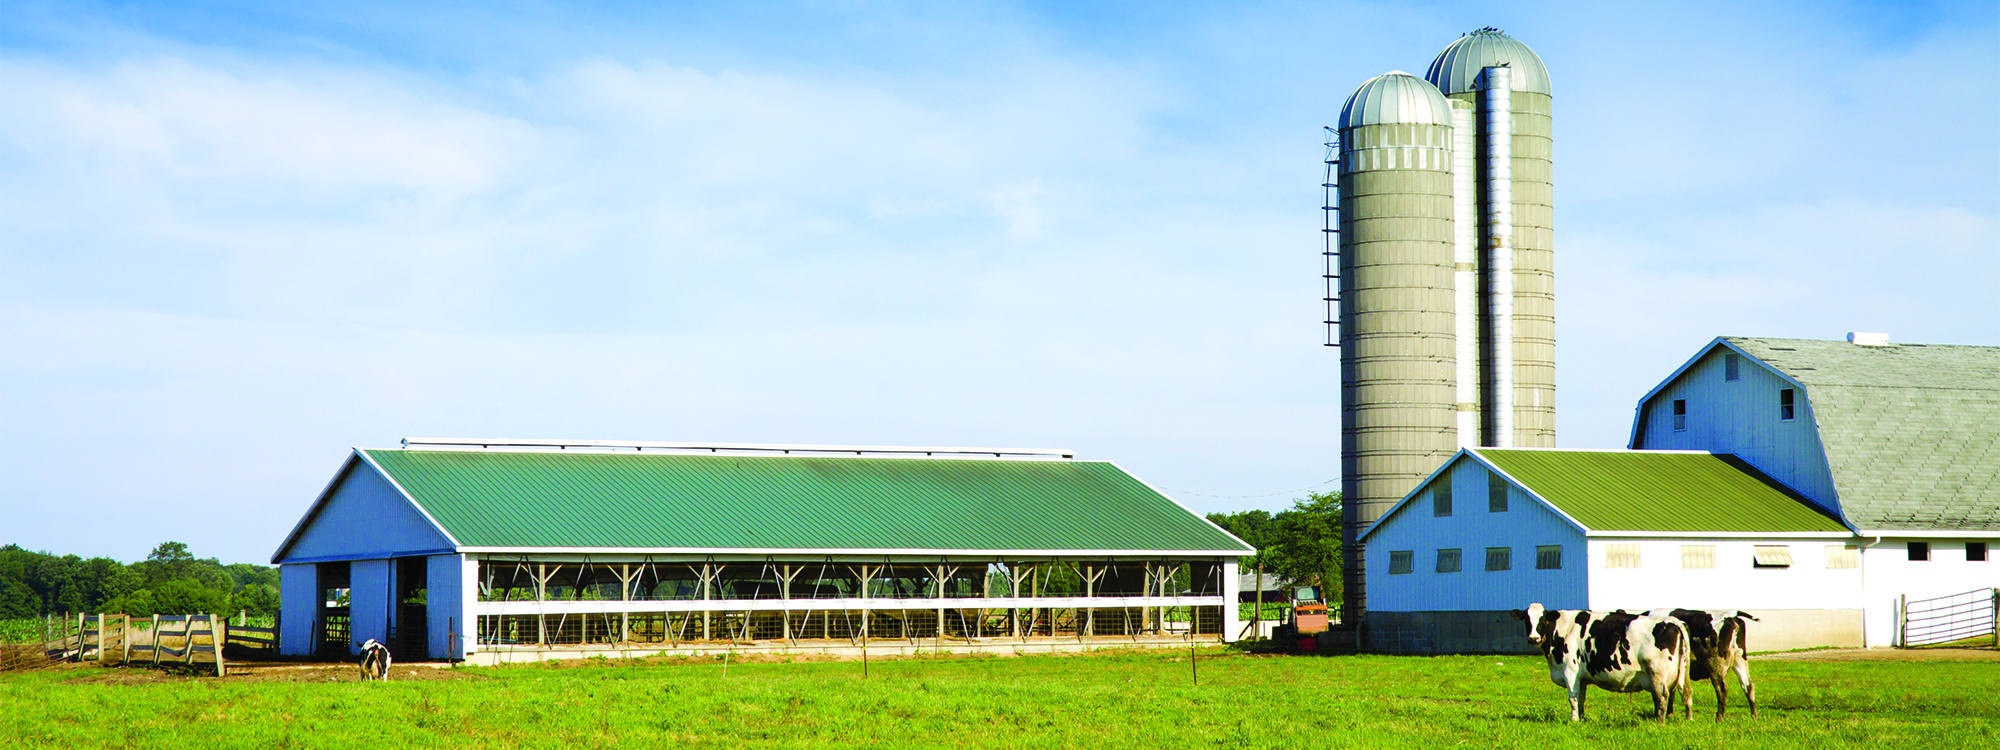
[1397,358]
[1514,202]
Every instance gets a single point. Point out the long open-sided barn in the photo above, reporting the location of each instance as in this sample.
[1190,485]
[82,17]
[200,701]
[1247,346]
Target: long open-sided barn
[496,551]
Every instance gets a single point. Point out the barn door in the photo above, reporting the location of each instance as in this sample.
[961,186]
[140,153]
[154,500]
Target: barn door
[331,624]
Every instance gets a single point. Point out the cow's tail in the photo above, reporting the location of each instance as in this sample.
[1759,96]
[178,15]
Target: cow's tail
[1681,680]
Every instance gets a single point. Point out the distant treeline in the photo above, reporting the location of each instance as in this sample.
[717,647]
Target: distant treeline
[1300,545]
[170,581]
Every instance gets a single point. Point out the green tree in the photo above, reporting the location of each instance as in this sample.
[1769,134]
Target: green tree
[186,596]
[256,599]
[1301,544]
[167,562]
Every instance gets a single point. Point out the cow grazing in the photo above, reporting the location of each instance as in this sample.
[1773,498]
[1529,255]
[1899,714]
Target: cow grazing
[1616,651]
[374,661]
[1717,639]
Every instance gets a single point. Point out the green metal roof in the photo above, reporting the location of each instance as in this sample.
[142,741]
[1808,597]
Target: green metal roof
[601,500]
[1647,491]
[1911,431]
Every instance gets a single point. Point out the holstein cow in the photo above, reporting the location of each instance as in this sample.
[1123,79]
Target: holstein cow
[1616,651]
[374,661]
[1717,639]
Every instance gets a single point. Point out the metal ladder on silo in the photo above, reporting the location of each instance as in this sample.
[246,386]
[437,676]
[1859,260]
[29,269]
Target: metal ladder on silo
[1330,237]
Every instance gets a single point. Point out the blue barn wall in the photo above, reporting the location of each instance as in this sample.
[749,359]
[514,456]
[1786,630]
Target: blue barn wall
[365,517]
[1740,418]
[1526,524]
[446,600]
[298,603]
[368,602]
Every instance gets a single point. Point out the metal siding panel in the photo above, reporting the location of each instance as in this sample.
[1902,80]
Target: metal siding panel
[368,596]
[298,594]
[366,517]
[518,499]
[444,598]
[1525,525]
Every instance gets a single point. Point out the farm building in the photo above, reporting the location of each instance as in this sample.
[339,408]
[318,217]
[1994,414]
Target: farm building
[1901,440]
[1820,485]
[493,551]
[1494,529]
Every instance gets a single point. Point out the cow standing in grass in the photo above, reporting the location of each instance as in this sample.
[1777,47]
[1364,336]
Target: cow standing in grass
[1717,638]
[1616,651]
[374,661]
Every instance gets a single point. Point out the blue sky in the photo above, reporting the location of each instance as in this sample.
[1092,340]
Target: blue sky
[236,240]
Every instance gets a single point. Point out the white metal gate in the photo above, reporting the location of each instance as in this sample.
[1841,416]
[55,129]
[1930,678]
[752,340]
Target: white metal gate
[1946,619]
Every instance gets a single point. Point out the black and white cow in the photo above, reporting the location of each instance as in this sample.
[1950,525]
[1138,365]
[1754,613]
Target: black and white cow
[1616,651]
[374,661]
[1717,638]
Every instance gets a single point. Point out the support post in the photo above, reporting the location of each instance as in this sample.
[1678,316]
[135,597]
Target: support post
[218,636]
[155,633]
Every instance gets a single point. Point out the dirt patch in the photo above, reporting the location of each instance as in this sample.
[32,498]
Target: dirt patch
[262,672]
[1889,654]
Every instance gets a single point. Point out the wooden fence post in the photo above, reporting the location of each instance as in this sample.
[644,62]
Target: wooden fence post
[219,635]
[155,634]
[125,638]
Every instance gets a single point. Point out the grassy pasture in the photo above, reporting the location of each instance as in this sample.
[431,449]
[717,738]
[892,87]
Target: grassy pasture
[1106,700]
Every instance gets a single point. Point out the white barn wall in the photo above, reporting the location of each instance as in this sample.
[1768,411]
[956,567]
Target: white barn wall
[1740,418]
[1889,574]
[298,601]
[1734,582]
[1526,524]
[368,602]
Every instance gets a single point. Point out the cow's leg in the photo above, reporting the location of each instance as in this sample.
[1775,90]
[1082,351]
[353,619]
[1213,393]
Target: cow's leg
[1749,688]
[1720,682]
[1576,696]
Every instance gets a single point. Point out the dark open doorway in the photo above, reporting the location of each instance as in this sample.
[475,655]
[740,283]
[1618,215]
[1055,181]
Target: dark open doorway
[410,638]
[332,625]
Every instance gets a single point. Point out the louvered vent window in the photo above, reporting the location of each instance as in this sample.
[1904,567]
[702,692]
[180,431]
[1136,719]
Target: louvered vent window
[1449,561]
[1549,557]
[1496,493]
[1975,552]
[1680,414]
[1732,367]
[1773,556]
[1697,556]
[1499,558]
[1621,555]
[1842,557]
[1441,495]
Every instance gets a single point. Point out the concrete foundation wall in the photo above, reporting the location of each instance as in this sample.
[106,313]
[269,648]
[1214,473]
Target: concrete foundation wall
[1497,632]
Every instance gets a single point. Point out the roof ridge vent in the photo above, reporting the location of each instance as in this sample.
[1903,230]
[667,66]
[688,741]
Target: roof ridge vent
[1859,338]
[651,446]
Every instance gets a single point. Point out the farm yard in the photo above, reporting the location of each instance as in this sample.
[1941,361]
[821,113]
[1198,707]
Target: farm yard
[1104,699]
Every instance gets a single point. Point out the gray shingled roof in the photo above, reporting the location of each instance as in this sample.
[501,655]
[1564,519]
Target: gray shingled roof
[1911,431]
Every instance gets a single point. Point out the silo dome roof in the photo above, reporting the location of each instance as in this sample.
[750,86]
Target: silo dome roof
[1395,97]
[1457,67]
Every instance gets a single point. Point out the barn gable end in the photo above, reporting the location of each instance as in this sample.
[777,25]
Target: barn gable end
[362,516]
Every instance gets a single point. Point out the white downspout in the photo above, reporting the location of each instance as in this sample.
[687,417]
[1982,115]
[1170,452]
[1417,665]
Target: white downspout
[1498,98]
[1465,279]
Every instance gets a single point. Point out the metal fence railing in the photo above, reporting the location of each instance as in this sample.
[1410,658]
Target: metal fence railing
[1958,618]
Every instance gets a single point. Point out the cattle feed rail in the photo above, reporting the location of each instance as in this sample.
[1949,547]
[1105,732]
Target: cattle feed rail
[1957,619]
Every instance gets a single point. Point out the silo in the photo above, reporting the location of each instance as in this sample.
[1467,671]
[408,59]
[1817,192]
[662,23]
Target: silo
[1518,324]
[1397,360]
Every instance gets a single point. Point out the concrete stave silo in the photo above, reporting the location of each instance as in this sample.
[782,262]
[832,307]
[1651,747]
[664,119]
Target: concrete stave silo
[1447,304]
[1398,358]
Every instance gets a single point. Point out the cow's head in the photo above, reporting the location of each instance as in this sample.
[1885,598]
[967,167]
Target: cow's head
[1533,615]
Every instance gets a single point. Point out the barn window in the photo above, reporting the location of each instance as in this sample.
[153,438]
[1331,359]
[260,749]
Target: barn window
[1773,556]
[1920,551]
[1732,367]
[1450,561]
[1975,552]
[1842,557]
[1402,561]
[1499,558]
[1549,557]
[1680,414]
[1496,493]
[1621,555]
[1785,409]
[1441,495]
[1697,556]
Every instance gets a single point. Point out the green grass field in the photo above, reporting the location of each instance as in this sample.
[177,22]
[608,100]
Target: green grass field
[1109,700]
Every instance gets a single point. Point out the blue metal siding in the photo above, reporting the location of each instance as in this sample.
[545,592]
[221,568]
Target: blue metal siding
[298,586]
[1525,525]
[368,595]
[1741,418]
[445,600]
[365,517]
